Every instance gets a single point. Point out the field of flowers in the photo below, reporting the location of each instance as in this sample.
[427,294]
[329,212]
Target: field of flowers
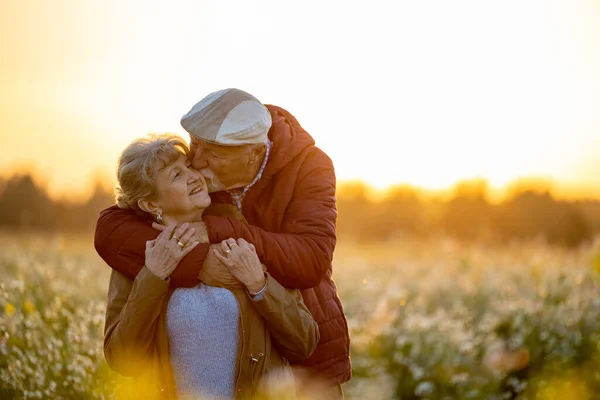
[429,320]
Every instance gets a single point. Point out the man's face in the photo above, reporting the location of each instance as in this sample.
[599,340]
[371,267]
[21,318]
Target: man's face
[227,162]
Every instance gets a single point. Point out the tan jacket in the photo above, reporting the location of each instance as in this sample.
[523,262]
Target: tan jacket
[272,331]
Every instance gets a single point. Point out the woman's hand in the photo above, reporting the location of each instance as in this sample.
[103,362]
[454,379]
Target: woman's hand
[164,253]
[241,259]
[215,273]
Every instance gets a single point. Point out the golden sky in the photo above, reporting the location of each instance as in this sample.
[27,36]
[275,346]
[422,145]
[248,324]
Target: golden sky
[424,93]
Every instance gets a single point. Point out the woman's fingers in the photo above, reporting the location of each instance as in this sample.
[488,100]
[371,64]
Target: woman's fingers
[225,247]
[244,243]
[221,257]
[232,243]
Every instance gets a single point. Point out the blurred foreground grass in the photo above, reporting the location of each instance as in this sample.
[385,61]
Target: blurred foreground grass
[429,320]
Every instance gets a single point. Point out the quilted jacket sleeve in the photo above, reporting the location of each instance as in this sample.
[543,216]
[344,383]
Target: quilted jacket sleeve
[120,240]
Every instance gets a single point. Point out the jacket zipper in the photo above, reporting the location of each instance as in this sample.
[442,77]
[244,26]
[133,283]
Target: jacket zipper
[254,361]
[241,344]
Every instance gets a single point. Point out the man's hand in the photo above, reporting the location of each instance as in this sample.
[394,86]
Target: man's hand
[164,253]
[200,235]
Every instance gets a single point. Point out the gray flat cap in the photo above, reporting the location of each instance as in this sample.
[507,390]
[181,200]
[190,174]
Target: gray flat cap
[229,117]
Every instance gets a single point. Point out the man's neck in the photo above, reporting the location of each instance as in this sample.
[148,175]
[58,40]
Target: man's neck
[247,177]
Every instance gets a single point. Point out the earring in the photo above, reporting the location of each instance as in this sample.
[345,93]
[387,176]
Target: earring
[159,217]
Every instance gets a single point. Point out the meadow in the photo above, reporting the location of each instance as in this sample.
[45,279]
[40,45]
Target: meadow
[429,319]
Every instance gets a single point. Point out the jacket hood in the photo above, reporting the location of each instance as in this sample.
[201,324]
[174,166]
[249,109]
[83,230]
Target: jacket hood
[288,137]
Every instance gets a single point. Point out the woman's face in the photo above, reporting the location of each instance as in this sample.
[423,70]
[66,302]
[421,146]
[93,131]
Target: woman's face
[181,190]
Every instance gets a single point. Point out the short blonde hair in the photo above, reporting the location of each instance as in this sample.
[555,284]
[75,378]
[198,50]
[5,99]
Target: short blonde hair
[139,164]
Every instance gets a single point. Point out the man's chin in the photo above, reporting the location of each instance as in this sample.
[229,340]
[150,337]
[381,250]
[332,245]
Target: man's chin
[212,182]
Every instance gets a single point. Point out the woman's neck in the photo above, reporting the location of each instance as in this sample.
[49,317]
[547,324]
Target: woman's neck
[201,234]
[183,218]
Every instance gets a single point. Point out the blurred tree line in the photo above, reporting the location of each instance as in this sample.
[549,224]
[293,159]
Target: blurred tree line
[404,211]
[467,215]
[24,204]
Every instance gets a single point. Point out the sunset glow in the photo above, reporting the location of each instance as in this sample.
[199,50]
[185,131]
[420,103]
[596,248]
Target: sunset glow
[421,93]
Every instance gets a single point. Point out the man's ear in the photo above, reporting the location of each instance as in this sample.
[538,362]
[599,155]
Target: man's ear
[150,207]
[257,152]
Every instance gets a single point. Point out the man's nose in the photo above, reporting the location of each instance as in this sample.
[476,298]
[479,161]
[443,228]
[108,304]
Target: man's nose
[198,159]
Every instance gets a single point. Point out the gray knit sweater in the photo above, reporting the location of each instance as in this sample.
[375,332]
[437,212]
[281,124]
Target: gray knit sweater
[202,326]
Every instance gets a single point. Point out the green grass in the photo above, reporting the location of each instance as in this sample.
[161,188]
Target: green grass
[429,320]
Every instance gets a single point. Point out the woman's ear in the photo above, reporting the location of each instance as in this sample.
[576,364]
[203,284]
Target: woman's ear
[150,207]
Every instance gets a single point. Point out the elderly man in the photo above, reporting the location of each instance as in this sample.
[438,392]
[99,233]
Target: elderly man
[268,166]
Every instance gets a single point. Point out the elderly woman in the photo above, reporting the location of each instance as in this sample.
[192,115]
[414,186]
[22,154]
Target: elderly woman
[202,342]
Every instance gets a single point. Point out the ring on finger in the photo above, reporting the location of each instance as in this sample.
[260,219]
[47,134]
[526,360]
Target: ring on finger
[230,245]
[182,245]
[228,251]
[176,238]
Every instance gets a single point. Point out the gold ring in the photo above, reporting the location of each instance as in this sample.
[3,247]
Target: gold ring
[180,244]
[230,245]
[175,237]
[227,251]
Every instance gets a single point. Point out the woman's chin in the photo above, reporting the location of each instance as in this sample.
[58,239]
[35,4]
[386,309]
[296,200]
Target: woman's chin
[203,202]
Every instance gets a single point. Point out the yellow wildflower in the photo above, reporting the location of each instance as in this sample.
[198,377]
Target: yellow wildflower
[9,309]
[28,307]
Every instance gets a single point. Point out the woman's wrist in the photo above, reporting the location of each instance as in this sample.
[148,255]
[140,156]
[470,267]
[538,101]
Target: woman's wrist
[257,287]
[158,274]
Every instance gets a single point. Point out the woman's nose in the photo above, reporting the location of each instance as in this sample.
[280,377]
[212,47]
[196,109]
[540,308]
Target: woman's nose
[194,175]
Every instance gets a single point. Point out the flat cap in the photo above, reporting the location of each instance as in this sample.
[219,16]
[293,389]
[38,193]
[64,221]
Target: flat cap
[229,117]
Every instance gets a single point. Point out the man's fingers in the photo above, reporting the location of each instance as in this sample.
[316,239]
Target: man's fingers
[187,249]
[168,232]
[158,226]
[180,231]
[187,236]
